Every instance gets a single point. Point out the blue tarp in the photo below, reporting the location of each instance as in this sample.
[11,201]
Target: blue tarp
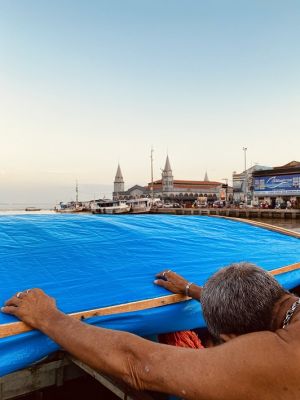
[88,261]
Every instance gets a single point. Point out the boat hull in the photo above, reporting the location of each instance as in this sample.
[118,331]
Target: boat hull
[113,210]
[88,263]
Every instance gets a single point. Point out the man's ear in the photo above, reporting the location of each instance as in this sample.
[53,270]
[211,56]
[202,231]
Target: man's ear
[227,336]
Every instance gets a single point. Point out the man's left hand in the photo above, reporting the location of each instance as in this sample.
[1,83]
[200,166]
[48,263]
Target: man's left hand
[33,306]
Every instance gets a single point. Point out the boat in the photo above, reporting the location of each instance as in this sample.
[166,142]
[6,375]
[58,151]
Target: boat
[102,269]
[32,209]
[110,207]
[71,207]
[140,206]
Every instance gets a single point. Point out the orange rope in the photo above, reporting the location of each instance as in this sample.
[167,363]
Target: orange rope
[188,339]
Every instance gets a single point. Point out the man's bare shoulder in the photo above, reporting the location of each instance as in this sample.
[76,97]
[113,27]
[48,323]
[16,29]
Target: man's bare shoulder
[267,364]
[290,335]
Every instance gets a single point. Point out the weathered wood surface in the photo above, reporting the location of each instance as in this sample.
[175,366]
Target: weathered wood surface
[15,328]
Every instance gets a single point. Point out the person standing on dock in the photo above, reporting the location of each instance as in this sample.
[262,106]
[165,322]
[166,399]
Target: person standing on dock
[262,365]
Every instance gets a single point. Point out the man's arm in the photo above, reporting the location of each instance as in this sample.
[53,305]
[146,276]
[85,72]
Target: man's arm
[255,366]
[175,283]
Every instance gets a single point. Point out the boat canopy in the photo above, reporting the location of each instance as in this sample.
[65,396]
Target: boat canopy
[87,263]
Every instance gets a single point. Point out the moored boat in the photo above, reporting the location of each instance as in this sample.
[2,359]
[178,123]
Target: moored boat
[32,209]
[110,207]
[140,206]
[71,207]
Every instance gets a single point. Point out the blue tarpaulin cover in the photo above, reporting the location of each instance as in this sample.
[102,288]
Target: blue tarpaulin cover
[88,262]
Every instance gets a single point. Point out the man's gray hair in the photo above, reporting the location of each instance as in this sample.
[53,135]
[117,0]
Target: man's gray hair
[239,299]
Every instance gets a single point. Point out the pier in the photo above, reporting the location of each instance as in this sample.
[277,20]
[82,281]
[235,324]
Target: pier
[232,212]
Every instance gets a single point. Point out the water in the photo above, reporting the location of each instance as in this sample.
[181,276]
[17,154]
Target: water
[21,206]
[293,225]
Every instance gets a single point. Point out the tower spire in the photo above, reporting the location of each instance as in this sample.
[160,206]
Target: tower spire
[206,177]
[119,176]
[167,165]
[118,182]
[167,177]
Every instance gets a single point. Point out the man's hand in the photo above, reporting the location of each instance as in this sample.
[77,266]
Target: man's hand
[171,281]
[177,284]
[32,306]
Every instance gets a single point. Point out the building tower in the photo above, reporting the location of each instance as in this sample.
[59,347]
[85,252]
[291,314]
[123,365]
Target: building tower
[206,177]
[167,177]
[119,182]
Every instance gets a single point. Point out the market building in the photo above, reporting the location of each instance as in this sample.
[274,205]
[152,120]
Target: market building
[242,184]
[170,189]
[278,185]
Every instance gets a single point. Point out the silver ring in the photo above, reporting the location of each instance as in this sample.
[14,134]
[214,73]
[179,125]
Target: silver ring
[18,295]
[27,291]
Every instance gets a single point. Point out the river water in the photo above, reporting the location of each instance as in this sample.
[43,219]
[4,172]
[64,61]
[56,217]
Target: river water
[293,225]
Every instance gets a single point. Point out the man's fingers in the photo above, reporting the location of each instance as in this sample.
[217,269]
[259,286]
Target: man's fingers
[163,283]
[161,274]
[165,274]
[9,310]
[13,301]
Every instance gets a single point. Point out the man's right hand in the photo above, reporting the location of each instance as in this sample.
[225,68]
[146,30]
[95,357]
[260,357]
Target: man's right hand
[171,281]
[175,283]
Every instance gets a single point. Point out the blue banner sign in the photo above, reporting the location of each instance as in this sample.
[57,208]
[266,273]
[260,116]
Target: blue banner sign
[277,184]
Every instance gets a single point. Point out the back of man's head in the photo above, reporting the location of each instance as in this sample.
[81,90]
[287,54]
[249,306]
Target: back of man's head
[239,299]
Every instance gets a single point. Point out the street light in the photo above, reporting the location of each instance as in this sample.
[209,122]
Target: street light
[245,174]
[245,157]
[226,188]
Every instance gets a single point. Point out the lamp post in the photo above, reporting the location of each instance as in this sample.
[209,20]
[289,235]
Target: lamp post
[226,188]
[245,175]
[152,184]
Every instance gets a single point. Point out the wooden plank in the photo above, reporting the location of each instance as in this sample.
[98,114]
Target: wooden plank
[36,377]
[119,388]
[287,268]
[16,328]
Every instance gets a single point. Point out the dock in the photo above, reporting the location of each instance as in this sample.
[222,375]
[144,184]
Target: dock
[248,213]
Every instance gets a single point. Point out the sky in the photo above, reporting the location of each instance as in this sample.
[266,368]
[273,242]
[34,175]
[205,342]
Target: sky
[86,84]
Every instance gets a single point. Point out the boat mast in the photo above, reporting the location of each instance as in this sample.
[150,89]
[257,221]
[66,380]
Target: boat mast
[152,186]
[76,192]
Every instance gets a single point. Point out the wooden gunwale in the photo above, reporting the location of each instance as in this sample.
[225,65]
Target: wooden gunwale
[261,225]
[15,328]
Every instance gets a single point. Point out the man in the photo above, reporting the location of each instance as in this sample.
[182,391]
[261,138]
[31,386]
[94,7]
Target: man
[226,298]
[258,365]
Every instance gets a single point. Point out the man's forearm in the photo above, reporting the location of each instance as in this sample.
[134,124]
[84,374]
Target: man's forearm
[103,349]
[140,363]
[195,291]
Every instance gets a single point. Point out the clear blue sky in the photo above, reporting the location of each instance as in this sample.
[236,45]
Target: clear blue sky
[85,84]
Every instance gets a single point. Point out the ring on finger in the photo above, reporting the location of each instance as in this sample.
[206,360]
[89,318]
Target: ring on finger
[27,291]
[18,295]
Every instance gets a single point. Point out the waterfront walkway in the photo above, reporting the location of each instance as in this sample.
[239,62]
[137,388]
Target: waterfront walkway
[232,212]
